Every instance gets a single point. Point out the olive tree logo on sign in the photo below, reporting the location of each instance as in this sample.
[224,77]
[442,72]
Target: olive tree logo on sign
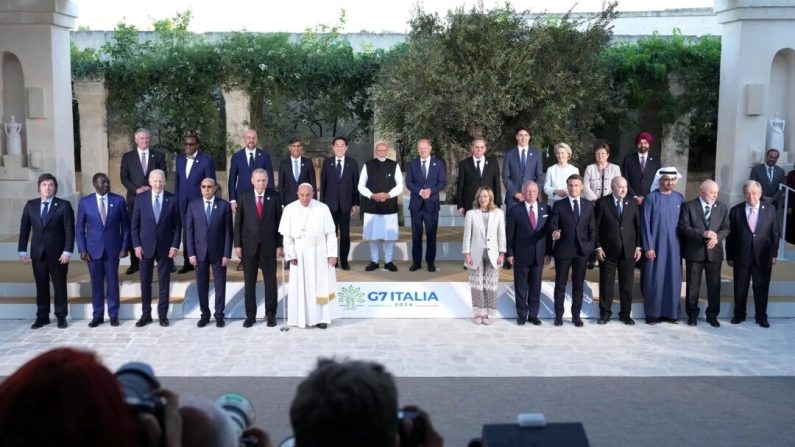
[350,297]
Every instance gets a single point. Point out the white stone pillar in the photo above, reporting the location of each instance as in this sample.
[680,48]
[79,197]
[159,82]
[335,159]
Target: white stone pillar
[91,98]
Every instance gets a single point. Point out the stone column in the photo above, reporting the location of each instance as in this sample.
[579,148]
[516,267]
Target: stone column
[91,98]
[674,147]
[238,117]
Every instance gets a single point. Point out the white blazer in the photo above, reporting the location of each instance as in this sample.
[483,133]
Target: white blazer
[476,237]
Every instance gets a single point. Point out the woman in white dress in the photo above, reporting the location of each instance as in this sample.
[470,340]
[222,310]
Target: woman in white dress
[555,178]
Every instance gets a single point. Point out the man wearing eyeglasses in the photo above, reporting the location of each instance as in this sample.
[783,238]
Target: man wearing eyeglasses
[191,168]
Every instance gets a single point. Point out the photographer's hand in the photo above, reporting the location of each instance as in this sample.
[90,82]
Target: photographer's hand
[431,439]
[262,437]
[171,418]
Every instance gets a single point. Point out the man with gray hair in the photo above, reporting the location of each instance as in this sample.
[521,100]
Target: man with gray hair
[703,226]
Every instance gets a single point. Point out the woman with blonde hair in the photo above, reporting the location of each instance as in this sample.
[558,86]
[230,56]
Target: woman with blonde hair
[555,178]
[484,253]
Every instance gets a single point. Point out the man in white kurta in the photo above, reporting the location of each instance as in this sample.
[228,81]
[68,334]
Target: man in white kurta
[310,246]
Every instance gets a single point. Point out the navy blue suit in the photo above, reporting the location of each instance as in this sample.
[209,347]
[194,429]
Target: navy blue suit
[156,237]
[425,212]
[340,195]
[188,188]
[514,174]
[528,247]
[751,254]
[288,185]
[210,242]
[51,238]
[577,242]
[240,172]
[104,245]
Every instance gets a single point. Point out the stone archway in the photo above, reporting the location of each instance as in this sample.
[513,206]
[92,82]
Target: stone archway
[13,105]
[781,100]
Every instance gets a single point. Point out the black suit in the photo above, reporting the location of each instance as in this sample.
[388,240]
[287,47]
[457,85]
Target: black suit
[572,250]
[340,195]
[752,255]
[639,181]
[133,177]
[618,237]
[51,238]
[528,247]
[698,259]
[288,185]
[470,179]
[259,238]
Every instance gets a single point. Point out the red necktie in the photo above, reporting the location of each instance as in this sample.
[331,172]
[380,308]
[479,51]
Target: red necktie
[532,218]
[259,207]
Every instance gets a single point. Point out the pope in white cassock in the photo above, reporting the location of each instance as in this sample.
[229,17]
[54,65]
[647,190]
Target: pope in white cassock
[310,246]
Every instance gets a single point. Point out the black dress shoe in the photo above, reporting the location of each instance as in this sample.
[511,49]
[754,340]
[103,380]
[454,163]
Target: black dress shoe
[114,322]
[628,321]
[203,322]
[763,323]
[737,320]
[521,321]
[185,269]
[535,321]
[131,270]
[143,321]
[602,320]
[248,322]
[96,322]
[713,322]
[271,321]
[391,267]
[163,321]
[558,321]
[431,268]
[651,320]
[577,322]
[40,322]
[345,265]
[62,324]
[322,325]
[219,322]
[415,267]
[692,320]
[670,320]
[371,266]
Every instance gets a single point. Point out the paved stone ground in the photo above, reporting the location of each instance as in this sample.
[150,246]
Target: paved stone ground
[425,348]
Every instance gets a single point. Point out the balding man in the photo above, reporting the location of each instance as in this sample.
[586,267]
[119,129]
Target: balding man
[703,226]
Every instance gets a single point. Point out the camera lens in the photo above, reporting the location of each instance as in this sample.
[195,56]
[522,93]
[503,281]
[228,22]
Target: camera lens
[239,409]
[137,381]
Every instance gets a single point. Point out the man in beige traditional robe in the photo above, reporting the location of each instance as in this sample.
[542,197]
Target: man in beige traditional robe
[310,246]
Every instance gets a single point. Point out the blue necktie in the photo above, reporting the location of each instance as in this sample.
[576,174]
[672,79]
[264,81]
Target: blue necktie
[424,169]
[524,159]
[251,161]
[44,211]
[339,169]
[619,208]
[208,211]
[156,208]
[296,170]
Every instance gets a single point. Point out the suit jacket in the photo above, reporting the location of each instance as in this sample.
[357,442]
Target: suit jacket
[209,242]
[527,246]
[133,177]
[759,247]
[477,237]
[692,226]
[469,180]
[156,237]
[339,194]
[415,182]
[769,188]
[513,176]
[187,189]
[252,232]
[288,186]
[577,236]
[240,173]
[52,237]
[97,239]
[617,235]
[639,182]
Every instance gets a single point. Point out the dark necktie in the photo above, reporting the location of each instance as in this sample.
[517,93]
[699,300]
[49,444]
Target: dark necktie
[251,161]
[770,174]
[44,211]
[618,209]
[576,209]
[207,210]
[524,158]
[339,169]
[707,213]
[477,166]
[424,169]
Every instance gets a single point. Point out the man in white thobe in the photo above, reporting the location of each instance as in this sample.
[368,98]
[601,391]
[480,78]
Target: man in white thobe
[310,246]
[380,183]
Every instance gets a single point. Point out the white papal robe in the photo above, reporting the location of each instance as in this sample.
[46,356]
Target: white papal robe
[309,237]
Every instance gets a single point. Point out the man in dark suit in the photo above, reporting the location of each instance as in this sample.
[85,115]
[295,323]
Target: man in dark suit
[103,237]
[573,228]
[618,248]
[259,244]
[339,178]
[293,171]
[208,226]
[52,222]
[640,167]
[425,178]
[526,232]
[769,175]
[474,172]
[191,168]
[703,226]
[522,163]
[156,232]
[751,249]
[136,165]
